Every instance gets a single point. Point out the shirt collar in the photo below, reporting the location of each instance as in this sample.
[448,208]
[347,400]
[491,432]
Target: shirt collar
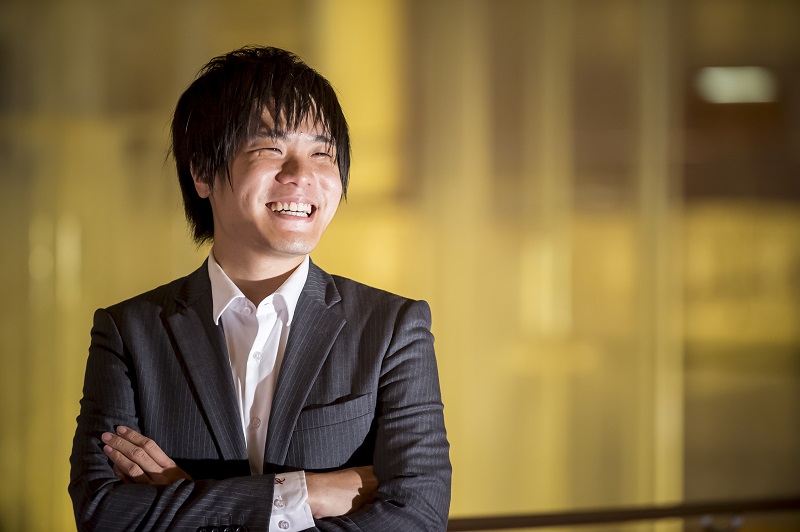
[224,291]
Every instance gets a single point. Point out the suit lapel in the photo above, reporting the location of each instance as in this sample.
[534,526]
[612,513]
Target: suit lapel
[201,347]
[316,323]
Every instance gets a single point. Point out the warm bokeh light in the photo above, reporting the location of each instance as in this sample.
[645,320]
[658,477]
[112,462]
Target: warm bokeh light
[736,84]
[612,260]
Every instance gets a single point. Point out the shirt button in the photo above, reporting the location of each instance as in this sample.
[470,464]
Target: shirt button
[257,356]
[283,525]
[247,310]
[256,422]
[279,503]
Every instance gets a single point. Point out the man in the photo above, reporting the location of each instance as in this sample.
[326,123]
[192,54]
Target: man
[259,392]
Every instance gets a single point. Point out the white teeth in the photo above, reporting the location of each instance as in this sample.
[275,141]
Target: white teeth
[293,208]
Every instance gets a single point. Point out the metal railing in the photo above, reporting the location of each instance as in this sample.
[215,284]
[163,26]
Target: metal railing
[625,515]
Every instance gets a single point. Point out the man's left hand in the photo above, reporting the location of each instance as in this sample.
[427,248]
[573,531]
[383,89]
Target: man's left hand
[138,459]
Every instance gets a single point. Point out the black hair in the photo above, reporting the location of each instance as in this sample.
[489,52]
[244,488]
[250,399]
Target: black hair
[222,107]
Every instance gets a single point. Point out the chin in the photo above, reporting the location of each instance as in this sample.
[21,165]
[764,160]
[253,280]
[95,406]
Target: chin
[293,247]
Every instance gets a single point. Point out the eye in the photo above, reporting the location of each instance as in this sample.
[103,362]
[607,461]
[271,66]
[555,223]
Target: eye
[268,150]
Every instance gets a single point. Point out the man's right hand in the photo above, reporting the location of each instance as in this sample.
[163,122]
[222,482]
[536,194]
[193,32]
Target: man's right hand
[340,492]
[138,459]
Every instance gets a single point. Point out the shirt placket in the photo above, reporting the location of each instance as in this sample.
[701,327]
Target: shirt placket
[260,361]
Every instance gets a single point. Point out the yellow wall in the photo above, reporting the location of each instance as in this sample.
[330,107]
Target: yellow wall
[564,306]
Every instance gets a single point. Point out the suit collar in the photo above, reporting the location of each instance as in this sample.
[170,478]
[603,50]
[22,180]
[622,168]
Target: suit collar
[196,286]
[320,286]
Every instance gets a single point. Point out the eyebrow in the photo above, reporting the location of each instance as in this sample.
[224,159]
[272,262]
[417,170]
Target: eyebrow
[264,132]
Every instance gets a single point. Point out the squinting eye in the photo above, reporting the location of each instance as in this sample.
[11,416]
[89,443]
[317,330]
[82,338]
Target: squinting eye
[323,154]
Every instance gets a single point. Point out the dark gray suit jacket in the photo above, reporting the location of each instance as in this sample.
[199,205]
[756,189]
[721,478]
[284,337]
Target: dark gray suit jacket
[358,385]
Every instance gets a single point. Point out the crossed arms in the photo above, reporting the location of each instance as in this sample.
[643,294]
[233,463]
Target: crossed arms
[137,459]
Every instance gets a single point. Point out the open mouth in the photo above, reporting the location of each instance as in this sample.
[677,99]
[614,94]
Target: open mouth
[301,210]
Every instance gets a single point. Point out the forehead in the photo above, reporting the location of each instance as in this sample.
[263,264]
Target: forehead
[267,119]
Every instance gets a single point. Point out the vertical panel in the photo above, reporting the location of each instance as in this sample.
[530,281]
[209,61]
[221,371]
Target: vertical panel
[546,270]
[660,456]
[365,67]
[454,160]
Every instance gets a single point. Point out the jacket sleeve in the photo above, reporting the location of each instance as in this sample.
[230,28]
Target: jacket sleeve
[411,456]
[102,502]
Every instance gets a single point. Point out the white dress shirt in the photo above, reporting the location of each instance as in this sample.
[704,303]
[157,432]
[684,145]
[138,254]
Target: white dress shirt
[256,339]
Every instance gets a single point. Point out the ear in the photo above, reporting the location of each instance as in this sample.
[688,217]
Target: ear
[200,185]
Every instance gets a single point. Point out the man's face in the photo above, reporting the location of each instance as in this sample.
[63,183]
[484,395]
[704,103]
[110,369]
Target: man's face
[285,188]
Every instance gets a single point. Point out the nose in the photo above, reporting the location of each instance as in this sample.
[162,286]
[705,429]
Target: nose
[294,170]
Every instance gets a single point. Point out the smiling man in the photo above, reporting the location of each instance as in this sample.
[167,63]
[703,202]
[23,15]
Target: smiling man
[259,392]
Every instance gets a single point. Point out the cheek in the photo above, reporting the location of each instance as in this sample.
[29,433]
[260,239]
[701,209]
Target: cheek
[333,194]
[334,207]
[333,186]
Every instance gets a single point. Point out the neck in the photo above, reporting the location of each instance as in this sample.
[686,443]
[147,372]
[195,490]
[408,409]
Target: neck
[256,277]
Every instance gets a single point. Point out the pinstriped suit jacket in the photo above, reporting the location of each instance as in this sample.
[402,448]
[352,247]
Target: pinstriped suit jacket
[358,385]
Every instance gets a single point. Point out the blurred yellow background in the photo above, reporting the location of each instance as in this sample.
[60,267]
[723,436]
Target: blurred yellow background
[612,257]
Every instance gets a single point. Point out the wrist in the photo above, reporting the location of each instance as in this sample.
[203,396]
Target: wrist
[316,492]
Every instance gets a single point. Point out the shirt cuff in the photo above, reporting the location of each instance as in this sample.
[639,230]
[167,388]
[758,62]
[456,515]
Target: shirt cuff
[290,509]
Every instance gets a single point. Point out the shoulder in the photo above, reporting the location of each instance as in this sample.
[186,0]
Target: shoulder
[365,295]
[164,298]
[365,301]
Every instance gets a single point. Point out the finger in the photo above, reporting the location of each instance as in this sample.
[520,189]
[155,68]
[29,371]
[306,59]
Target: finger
[151,447]
[132,453]
[121,474]
[127,467]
